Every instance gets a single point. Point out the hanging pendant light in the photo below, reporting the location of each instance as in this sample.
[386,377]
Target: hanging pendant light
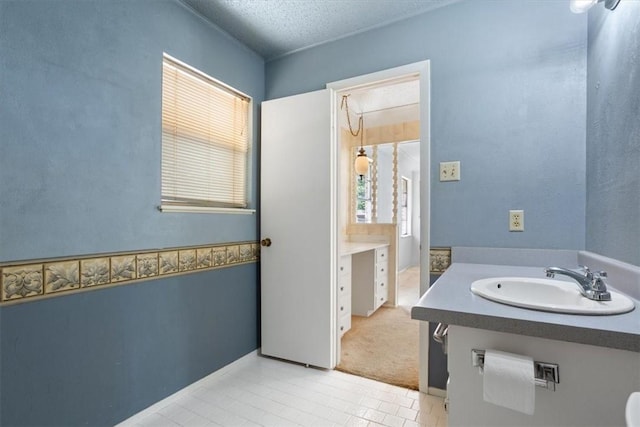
[362,161]
[361,165]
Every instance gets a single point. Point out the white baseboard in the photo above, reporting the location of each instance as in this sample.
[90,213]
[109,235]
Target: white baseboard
[134,419]
[436,392]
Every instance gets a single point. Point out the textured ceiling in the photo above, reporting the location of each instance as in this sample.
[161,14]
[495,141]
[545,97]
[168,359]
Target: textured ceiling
[274,28]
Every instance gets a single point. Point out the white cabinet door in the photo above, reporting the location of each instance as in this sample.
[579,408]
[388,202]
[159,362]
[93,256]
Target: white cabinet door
[298,214]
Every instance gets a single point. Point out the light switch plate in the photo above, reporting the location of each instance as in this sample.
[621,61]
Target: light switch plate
[450,171]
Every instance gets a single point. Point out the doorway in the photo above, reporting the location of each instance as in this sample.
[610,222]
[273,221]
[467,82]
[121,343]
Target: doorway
[392,103]
[301,264]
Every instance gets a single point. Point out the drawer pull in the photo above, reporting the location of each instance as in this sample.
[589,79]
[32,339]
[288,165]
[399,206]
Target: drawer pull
[342,308]
[382,269]
[341,288]
[341,268]
[342,328]
[382,255]
[381,284]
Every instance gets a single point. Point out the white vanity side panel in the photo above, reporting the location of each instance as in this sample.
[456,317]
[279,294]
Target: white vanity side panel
[595,382]
[363,285]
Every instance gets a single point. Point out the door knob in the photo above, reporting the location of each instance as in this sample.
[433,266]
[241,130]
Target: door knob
[266,242]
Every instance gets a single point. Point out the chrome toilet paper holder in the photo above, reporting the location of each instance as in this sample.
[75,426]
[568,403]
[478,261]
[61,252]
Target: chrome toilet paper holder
[546,374]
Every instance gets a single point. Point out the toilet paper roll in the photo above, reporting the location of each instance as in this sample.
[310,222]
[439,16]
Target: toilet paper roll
[509,381]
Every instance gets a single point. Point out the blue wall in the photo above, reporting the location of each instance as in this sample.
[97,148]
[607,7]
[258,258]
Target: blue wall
[80,156]
[96,358]
[81,125]
[508,100]
[80,174]
[613,132]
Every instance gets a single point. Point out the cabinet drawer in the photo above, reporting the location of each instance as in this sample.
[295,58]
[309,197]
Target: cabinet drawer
[344,324]
[383,290]
[382,284]
[382,254]
[344,305]
[344,265]
[381,269]
[381,298]
[344,285]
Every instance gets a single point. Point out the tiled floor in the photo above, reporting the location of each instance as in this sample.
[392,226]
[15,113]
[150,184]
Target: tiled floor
[258,391]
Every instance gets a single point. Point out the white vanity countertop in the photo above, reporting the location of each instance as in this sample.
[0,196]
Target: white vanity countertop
[451,301]
[349,248]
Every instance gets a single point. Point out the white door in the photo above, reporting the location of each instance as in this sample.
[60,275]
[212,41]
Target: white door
[298,215]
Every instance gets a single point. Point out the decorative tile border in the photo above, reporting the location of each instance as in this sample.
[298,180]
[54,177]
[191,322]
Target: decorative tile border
[22,281]
[168,262]
[123,268]
[147,265]
[439,260]
[94,271]
[61,276]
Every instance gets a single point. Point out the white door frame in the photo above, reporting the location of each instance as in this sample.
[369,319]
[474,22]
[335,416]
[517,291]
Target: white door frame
[423,70]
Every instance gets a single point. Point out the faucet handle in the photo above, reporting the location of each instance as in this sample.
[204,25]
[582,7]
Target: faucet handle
[587,273]
[599,285]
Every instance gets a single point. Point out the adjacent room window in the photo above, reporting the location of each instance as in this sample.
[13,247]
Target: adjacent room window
[363,197]
[405,206]
[205,140]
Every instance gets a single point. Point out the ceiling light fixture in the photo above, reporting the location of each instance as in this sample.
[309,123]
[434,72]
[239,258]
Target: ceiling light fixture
[581,6]
[362,161]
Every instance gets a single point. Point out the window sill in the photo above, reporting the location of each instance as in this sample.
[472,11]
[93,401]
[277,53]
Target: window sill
[203,209]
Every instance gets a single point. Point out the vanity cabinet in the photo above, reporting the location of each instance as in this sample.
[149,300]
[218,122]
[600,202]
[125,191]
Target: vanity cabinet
[382,276]
[369,280]
[594,381]
[598,357]
[344,294]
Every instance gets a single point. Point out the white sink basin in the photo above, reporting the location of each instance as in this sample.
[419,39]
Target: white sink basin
[548,295]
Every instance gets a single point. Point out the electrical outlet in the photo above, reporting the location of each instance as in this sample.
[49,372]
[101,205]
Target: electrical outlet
[516,220]
[450,171]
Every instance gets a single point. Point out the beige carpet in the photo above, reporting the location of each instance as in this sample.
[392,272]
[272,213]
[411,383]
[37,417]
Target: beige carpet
[384,346]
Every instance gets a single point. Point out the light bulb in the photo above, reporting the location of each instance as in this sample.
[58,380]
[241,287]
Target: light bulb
[362,163]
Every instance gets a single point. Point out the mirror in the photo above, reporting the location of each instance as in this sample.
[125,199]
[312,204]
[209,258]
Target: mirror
[378,195]
[385,198]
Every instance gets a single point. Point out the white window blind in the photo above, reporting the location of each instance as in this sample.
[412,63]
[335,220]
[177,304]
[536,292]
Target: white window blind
[205,140]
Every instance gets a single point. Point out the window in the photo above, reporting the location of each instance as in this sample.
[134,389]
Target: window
[205,141]
[405,207]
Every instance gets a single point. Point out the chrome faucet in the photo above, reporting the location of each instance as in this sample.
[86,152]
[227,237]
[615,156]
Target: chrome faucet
[592,284]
